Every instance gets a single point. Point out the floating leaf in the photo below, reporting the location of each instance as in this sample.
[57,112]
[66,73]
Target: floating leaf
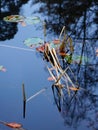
[14,18]
[56,41]
[77,58]
[14,125]
[62,47]
[2,68]
[97,52]
[32,20]
[41,48]
[70,44]
[11,124]
[52,45]
[22,20]
[68,58]
[33,42]
[74,89]
[50,78]
[62,54]
[22,23]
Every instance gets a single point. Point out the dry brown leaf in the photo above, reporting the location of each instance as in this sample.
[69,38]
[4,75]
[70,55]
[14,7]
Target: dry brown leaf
[74,89]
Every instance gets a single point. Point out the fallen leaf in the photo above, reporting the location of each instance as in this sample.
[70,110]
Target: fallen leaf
[13,125]
[50,78]
[4,69]
[97,52]
[23,23]
[40,48]
[74,89]
[62,54]
[56,41]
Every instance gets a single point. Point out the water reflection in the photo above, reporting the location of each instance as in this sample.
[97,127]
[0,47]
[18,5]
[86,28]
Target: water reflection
[8,30]
[81,106]
[79,17]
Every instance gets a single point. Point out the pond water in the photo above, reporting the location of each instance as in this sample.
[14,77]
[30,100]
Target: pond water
[26,66]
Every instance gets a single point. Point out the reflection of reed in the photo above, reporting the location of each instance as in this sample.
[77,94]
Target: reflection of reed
[25,100]
[77,107]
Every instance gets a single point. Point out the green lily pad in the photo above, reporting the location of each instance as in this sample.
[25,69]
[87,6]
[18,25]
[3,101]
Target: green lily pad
[32,20]
[1,66]
[14,18]
[76,59]
[33,42]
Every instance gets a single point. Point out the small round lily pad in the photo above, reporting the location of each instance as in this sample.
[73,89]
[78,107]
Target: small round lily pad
[14,18]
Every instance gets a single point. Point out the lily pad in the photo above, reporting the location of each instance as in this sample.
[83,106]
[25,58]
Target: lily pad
[55,43]
[75,59]
[14,18]
[33,42]
[32,20]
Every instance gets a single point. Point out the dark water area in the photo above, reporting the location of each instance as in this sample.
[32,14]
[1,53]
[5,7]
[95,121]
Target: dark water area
[48,110]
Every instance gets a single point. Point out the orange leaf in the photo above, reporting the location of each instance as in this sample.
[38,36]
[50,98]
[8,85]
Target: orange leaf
[74,89]
[56,41]
[22,23]
[40,48]
[62,54]
[96,52]
[50,78]
[13,125]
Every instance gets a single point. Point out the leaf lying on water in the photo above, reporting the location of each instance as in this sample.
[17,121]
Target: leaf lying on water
[33,42]
[62,54]
[23,23]
[74,89]
[97,52]
[14,125]
[2,68]
[11,124]
[41,48]
[32,20]
[50,78]
[56,41]
[14,18]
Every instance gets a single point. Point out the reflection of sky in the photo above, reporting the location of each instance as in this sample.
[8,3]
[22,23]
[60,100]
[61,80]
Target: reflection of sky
[28,67]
